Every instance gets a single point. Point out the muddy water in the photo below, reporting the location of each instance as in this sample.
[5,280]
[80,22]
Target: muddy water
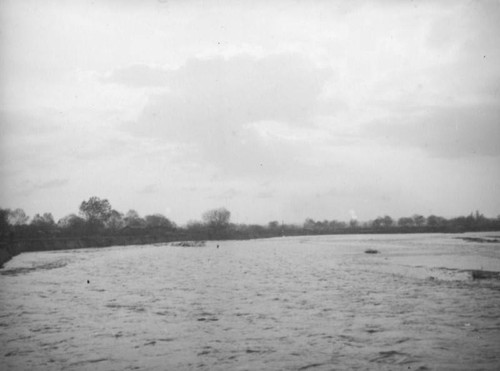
[305,303]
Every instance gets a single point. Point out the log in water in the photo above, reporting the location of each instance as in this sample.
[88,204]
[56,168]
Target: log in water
[301,303]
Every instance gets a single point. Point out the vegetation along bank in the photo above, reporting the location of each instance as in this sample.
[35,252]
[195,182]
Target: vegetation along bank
[99,225]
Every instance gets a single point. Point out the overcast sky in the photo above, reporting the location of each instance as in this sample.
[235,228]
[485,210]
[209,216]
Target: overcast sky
[276,110]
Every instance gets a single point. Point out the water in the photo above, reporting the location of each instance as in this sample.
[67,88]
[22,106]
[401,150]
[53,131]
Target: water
[302,303]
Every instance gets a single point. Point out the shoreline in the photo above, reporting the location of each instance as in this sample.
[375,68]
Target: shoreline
[9,250]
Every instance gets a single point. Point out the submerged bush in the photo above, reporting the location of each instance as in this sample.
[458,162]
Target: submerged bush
[484,275]
[188,243]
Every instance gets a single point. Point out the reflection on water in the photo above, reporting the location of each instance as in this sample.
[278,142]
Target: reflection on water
[308,303]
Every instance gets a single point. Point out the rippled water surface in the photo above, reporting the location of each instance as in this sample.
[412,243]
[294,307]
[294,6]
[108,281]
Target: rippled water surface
[302,303]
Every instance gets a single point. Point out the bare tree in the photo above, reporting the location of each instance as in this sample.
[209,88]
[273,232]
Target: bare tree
[217,220]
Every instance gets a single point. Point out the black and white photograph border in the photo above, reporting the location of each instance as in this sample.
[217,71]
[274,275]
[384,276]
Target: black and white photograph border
[254,185]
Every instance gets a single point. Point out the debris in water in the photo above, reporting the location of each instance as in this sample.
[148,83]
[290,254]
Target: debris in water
[480,239]
[188,243]
[484,275]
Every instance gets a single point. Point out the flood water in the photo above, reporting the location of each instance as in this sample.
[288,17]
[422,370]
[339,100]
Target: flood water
[301,303]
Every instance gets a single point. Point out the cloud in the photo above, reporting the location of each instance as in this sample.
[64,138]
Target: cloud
[138,76]
[150,188]
[29,187]
[232,90]
[215,106]
[53,183]
[453,132]
[448,107]
[28,123]
[228,194]
[312,111]
[42,139]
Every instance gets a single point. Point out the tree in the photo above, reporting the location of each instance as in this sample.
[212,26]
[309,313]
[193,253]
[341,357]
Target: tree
[4,222]
[419,220]
[377,223]
[196,229]
[195,226]
[436,221]
[43,223]
[388,222]
[45,219]
[384,222]
[217,217]
[115,221]
[17,217]
[73,224]
[406,222]
[309,225]
[217,220]
[335,225]
[133,219]
[158,221]
[274,225]
[95,210]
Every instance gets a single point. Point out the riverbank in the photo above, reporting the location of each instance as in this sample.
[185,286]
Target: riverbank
[9,249]
[12,248]
[6,254]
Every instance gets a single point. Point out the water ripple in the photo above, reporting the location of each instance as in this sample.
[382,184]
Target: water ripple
[315,303]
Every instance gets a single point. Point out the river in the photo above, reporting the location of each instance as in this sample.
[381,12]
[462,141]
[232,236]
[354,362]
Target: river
[292,303]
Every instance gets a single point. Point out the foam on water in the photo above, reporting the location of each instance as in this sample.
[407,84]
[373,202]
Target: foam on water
[304,303]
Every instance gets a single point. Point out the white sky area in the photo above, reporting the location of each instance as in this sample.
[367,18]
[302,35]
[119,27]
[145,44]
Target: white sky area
[276,110]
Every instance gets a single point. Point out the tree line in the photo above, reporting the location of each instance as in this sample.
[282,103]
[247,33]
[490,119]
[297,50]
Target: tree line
[96,217]
[411,224]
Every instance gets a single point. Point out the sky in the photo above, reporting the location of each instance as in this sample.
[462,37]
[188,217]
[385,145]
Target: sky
[275,110]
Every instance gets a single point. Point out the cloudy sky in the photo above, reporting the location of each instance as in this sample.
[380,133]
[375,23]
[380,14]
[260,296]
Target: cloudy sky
[276,110]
